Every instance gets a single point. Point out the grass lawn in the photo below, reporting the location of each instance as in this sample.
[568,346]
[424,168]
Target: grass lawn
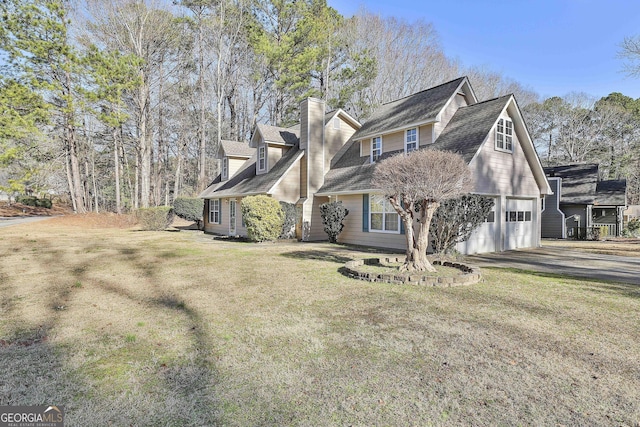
[124,327]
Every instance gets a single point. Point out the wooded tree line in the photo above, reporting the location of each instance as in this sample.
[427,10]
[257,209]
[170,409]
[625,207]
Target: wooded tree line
[577,128]
[122,104]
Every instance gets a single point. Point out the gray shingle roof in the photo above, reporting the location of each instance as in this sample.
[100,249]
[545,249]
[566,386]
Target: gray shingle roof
[246,181]
[611,192]
[274,134]
[469,127]
[236,149]
[578,182]
[464,134]
[416,108]
[580,186]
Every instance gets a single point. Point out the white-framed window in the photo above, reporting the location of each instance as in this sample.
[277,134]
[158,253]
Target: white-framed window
[214,211]
[504,135]
[262,158]
[410,140]
[383,217]
[336,123]
[225,167]
[376,148]
[518,216]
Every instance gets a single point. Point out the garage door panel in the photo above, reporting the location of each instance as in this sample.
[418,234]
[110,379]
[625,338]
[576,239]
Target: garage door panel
[519,224]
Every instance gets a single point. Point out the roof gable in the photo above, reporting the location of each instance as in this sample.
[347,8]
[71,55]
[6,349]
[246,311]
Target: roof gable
[235,149]
[246,182]
[469,127]
[419,108]
[276,135]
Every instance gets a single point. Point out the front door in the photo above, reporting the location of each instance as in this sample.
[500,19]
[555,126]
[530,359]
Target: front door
[232,217]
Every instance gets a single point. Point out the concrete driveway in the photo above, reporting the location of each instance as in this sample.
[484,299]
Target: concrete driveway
[566,262]
[7,221]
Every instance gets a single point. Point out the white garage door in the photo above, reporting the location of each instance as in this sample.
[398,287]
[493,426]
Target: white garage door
[483,238]
[519,226]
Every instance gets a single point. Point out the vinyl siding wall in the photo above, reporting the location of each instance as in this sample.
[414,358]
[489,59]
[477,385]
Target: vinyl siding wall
[497,172]
[552,218]
[235,164]
[288,190]
[223,228]
[446,115]
[334,139]
[353,234]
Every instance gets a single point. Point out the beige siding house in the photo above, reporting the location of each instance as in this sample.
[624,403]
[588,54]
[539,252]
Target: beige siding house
[331,156]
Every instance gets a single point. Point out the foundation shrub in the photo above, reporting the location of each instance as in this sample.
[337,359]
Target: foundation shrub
[333,215]
[155,219]
[263,218]
[290,219]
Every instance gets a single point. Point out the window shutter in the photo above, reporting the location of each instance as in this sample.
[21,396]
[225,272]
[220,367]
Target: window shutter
[219,211]
[365,213]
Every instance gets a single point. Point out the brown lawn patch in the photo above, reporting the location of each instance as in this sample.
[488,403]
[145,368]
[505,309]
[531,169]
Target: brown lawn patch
[168,328]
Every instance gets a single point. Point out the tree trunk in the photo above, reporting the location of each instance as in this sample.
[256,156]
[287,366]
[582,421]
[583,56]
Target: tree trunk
[116,170]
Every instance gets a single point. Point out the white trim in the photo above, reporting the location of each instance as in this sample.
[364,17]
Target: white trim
[225,167]
[212,211]
[235,217]
[264,168]
[398,129]
[384,213]
[506,124]
[347,192]
[416,142]
[371,159]
[298,157]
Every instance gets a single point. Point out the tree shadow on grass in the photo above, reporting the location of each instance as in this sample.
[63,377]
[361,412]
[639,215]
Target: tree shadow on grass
[178,391]
[317,256]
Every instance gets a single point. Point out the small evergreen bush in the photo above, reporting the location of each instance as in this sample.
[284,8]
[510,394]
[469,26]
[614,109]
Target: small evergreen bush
[263,218]
[333,213]
[34,201]
[290,219]
[155,219]
[633,228]
[189,208]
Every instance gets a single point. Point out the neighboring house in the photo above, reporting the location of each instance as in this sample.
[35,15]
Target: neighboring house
[582,201]
[332,157]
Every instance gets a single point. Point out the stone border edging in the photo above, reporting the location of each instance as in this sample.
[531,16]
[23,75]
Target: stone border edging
[471,275]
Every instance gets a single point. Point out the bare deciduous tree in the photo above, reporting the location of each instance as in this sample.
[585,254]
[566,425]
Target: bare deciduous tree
[416,184]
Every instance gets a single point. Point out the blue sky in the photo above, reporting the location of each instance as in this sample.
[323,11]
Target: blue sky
[552,47]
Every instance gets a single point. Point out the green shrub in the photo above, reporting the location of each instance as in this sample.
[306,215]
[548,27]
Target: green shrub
[189,208]
[455,219]
[633,228]
[290,220]
[333,213]
[263,218]
[34,201]
[155,219]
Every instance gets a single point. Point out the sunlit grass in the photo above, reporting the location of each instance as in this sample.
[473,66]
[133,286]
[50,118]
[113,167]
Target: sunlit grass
[181,329]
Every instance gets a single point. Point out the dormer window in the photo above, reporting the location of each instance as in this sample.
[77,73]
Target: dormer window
[411,140]
[376,148]
[225,167]
[336,123]
[504,135]
[262,158]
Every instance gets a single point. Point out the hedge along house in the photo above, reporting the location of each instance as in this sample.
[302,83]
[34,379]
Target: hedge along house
[581,202]
[331,157]
[288,164]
